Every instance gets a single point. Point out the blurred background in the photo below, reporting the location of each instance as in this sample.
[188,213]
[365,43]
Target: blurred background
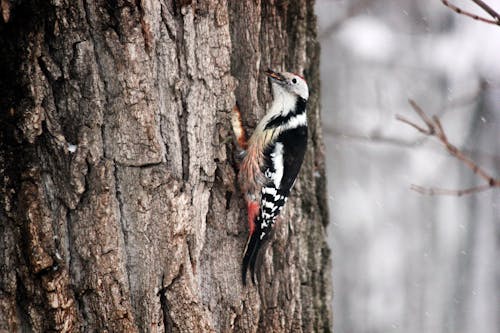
[403,261]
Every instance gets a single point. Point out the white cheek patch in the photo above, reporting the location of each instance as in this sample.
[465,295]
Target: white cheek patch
[277,159]
[303,90]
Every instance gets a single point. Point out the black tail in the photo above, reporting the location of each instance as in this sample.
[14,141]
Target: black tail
[251,252]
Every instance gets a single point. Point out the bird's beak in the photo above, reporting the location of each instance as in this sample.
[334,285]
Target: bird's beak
[275,75]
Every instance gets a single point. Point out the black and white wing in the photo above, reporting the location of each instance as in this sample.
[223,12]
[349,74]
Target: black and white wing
[282,162]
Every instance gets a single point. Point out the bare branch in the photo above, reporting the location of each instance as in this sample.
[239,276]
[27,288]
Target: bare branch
[482,5]
[439,130]
[409,122]
[487,9]
[422,114]
[374,136]
[377,138]
[434,128]
[442,191]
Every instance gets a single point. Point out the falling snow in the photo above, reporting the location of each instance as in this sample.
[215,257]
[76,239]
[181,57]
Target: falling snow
[404,262]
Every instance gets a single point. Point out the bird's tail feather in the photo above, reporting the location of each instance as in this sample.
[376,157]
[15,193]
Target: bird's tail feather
[250,257]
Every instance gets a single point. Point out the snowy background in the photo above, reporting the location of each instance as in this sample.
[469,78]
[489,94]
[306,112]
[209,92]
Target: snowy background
[406,262]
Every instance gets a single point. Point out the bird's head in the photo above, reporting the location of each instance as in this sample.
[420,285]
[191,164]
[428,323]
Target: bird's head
[288,82]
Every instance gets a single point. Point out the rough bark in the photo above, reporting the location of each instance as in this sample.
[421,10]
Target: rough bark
[141,228]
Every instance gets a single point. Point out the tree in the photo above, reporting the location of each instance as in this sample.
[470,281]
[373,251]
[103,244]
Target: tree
[119,208]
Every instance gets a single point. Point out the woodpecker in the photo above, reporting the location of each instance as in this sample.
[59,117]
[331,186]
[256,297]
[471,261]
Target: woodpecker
[271,159]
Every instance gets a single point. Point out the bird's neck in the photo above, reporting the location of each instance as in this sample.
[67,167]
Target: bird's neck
[283,102]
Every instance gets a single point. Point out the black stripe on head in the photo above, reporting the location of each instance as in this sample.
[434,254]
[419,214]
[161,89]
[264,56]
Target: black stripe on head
[300,107]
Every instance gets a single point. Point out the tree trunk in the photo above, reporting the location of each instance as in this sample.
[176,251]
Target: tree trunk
[119,207]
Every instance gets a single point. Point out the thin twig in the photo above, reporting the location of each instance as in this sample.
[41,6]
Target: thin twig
[374,137]
[482,5]
[443,191]
[434,128]
[377,138]
[487,9]
[409,122]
